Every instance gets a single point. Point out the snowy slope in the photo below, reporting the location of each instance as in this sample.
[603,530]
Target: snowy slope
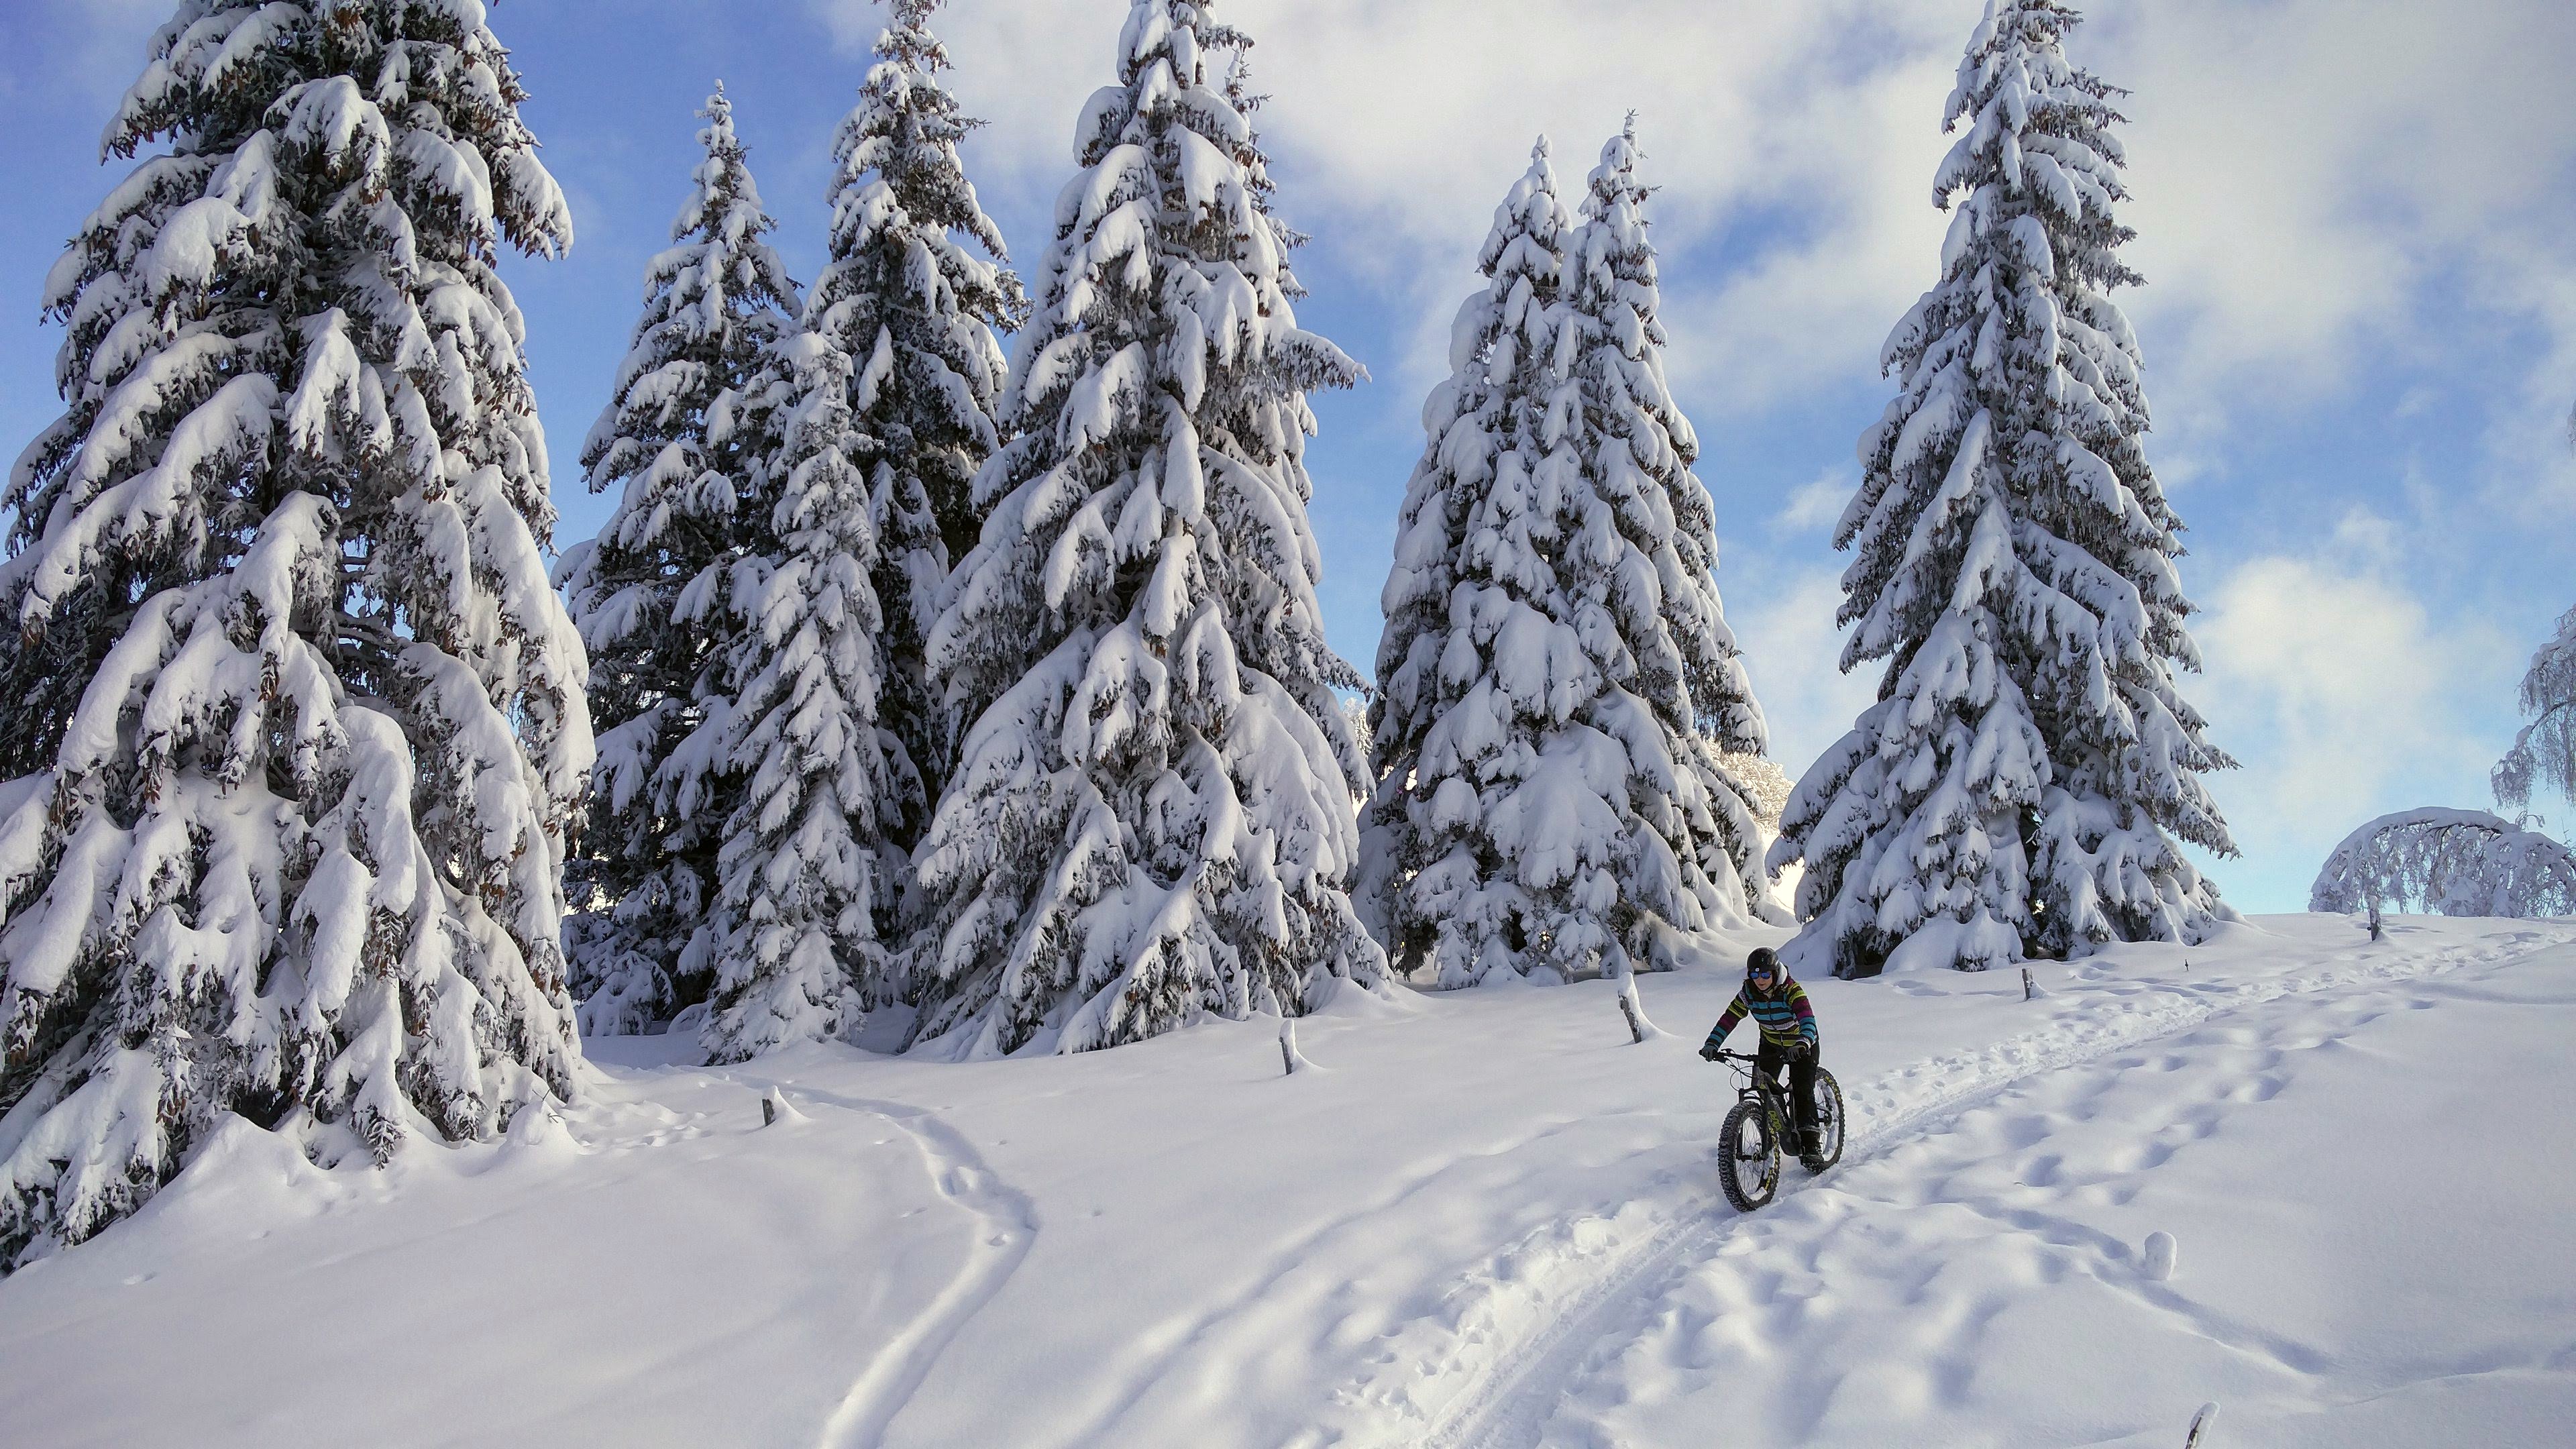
[1484,1220]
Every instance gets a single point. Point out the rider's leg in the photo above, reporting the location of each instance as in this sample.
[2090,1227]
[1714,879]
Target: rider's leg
[1802,1097]
[1769,1060]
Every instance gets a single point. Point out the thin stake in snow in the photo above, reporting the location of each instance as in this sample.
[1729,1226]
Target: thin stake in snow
[2201,1423]
[1633,1007]
[2029,988]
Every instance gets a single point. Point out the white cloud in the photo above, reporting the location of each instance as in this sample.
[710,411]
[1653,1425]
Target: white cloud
[2305,168]
[1793,651]
[1817,502]
[2343,698]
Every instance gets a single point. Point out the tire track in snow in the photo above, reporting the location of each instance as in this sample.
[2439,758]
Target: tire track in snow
[1006,1226]
[1100,1429]
[1508,1405]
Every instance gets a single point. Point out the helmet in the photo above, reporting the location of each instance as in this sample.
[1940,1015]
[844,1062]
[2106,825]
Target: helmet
[1764,959]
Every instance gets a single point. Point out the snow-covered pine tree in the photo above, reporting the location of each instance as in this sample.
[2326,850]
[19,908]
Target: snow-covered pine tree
[1556,673]
[805,875]
[1473,569]
[654,594]
[2018,788]
[297,854]
[1152,816]
[909,299]
[2544,754]
[1657,585]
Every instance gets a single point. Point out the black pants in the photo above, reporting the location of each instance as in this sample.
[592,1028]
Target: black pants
[1769,1059]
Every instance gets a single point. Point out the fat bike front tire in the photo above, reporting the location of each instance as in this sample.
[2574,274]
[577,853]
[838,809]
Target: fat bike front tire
[1829,1124]
[1748,1157]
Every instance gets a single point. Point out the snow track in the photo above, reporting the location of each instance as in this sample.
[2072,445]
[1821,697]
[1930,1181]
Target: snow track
[1007,1224]
[1506,1405]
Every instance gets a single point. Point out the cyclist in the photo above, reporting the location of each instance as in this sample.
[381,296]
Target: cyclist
[1780,1011]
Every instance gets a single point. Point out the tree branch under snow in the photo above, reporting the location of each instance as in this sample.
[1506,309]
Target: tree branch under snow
[2448,863]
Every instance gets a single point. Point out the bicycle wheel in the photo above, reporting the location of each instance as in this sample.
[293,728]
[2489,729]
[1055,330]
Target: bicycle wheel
[1748,1158]
[1829,1124]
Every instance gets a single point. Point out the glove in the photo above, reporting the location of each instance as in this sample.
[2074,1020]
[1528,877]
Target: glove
[1804,1051]
[1709,1053]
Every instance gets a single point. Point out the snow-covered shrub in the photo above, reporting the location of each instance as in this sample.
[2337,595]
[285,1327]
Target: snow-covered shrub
[2545,752]
[907,297]
[1556,675]
[1151,818]
[2018,788]
[295,851]
[655,597]
[2448,863]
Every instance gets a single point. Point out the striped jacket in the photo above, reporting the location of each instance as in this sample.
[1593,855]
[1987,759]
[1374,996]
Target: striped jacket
[1784,1016]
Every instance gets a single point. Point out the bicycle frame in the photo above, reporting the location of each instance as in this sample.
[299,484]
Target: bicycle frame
[1759,1085]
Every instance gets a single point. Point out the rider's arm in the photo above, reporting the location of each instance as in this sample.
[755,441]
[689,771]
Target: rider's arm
[1806,1014]
[1725,1023]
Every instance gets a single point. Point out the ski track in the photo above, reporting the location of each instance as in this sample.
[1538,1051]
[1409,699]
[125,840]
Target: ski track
[1508,1405]
[1097,1430]
[1007,1224]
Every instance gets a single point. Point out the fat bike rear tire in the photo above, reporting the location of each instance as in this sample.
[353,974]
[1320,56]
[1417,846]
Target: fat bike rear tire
[1748,1157]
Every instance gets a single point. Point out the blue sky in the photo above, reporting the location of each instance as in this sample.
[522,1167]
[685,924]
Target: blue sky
[2357,219]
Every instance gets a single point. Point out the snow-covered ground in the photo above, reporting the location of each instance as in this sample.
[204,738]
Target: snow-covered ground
[1483,1219]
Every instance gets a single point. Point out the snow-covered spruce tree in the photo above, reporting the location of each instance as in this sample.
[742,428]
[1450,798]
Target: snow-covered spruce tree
[1555,664]
[911,302]
[2018,788]
[1151,820]
[1472,569]
[1643,560]
[2544,754]
[654,596]
[298,852]
[805,875]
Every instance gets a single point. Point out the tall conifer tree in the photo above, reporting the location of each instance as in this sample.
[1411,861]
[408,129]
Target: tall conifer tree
[2022,786]
[655,595]
[1556,673]
[806,876]
[296,851]
[907,296]
[1151,820]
